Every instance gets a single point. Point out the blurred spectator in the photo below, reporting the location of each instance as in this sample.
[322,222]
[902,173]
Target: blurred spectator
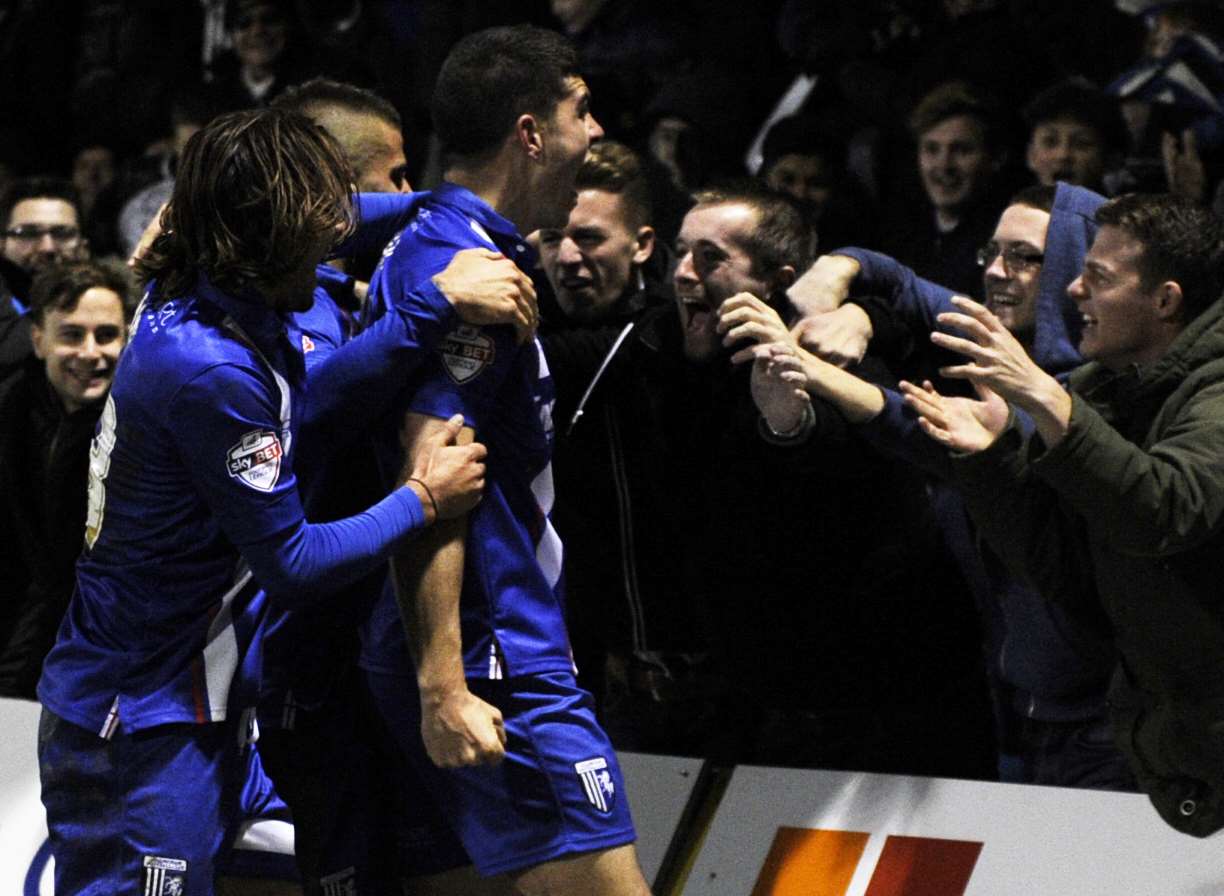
[189,113]
[960,151]
[1076,135]
[95,173]
[262,60]
[1173,101]
[93,170]
[810,168]
[78,313]
[42,228]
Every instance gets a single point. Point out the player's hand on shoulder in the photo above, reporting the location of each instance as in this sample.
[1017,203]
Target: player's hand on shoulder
[487,288]
[453,473]
[461,729]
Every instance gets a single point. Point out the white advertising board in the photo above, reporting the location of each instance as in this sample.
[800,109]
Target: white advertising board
[23,826]
[659,788]
[848,834]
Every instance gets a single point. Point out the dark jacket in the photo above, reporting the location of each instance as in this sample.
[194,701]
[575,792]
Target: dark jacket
[687,531]
[44,462]
[1127,511]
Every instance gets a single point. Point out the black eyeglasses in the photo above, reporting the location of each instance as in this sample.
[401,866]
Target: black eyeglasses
[1016,258]
[31,233]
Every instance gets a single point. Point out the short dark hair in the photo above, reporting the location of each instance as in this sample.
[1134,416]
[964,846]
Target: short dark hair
[615,168]
[1080,100]
[317,93]
[38,188]
[492,77]
[60,288]
[955,98]
[1038,196]
[235,8]
[1182,242]
[781,237]
[796,135]
[253,190]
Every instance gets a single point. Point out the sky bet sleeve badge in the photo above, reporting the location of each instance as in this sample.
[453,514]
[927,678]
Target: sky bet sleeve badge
[597,782]
[256,460]
[466,352]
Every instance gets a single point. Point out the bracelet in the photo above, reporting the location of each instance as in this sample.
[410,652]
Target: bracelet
[428,493]
[798,433]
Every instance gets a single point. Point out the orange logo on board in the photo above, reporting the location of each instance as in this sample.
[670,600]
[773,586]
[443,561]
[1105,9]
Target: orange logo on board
[806,862]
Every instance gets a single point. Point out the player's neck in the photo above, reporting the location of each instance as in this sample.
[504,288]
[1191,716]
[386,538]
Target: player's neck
[500,186]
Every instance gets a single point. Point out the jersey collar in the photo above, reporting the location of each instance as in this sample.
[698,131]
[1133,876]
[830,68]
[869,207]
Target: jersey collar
[501,231]
[260,324]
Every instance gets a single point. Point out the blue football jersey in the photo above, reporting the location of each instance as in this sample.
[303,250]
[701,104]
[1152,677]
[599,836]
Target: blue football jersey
[191,486]
[193,457]
[511,608]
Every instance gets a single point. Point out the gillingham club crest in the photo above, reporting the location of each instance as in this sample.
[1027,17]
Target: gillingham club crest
[256,460]
[164,877]
[597,783]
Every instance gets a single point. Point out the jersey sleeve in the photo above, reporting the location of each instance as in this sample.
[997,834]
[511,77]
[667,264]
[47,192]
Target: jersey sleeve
[465,370]
[232,427]
[380,216]
[228,426]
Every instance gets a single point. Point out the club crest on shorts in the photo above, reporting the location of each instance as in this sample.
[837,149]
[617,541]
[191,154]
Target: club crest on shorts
[342,883]
[597,782]
[466,352]
[164,877]
[308,345]
[256,459]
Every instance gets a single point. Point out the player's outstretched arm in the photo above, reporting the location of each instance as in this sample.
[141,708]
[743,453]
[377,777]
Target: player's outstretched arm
[458,728]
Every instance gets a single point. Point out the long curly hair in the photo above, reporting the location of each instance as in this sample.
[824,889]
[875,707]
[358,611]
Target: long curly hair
[254,191]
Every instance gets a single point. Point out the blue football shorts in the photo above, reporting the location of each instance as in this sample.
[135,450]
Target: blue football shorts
[558,792]
[156,811]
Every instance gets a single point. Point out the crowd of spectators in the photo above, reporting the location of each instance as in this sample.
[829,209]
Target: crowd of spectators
[789,594]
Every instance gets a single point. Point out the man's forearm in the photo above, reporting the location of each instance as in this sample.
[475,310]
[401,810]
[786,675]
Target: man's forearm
[857,400]
[428,576]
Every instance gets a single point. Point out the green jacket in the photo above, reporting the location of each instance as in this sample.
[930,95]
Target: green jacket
[1128,511]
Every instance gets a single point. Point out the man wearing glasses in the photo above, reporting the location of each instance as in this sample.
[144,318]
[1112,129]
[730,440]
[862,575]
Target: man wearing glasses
[41,218]
[1049,668]
[42,228]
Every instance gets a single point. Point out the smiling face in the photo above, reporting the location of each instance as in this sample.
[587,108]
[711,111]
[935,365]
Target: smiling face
[954,162]
[1066,149]
[1012,277]
[713,266]
[81,347]
[260,34]
[590,263]
[1122,325]
[567,133]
